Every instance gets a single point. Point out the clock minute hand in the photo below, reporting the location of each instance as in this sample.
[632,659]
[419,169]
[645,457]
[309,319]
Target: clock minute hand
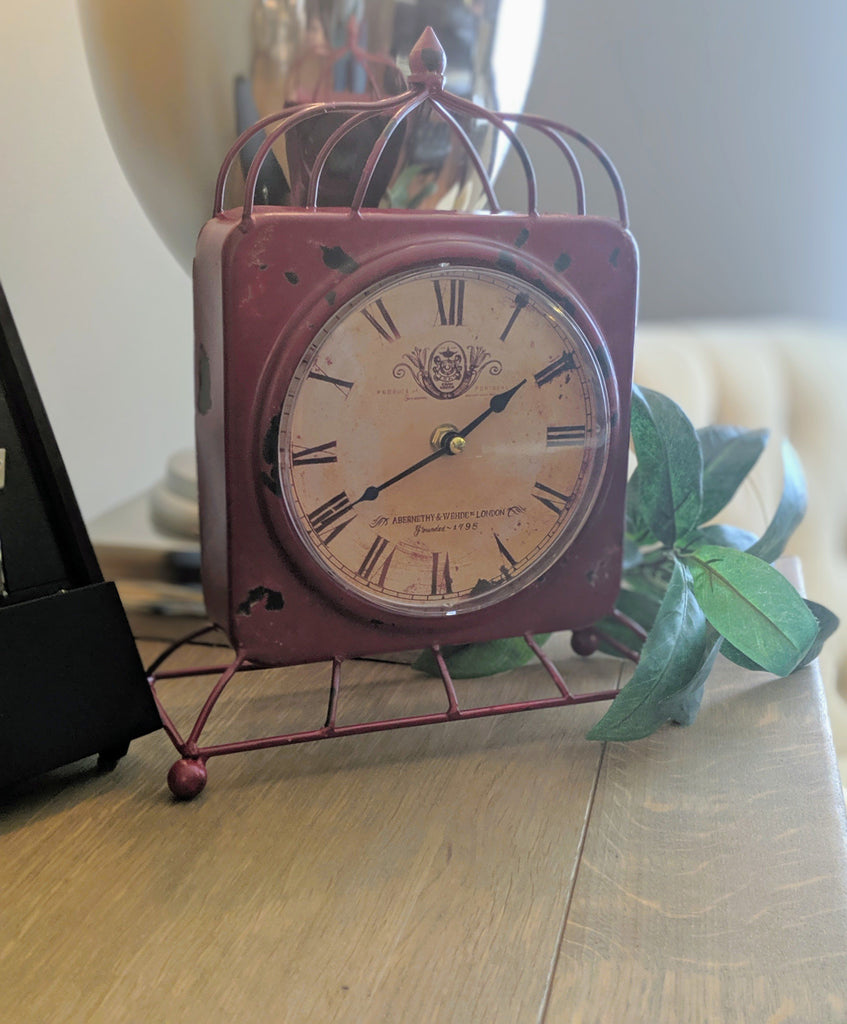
[497,404]
[371,493]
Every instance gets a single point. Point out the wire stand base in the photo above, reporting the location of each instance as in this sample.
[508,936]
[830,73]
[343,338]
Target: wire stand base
[188,775]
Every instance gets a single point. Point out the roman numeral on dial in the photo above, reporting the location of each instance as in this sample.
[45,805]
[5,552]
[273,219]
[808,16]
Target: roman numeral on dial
[372,559]
[504,551]
[442,581]
[451,307]
[325,518]
[552,499]
[312,456]
[521,301]
[564,437]
[343,385]
[564,364]
[380,319]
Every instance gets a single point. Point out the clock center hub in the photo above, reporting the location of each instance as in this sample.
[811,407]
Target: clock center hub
[447,438]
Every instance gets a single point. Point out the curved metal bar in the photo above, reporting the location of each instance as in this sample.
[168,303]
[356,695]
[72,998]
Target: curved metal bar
[630,623]
[616,645]
[276,118]
[334,690]
[303,114]
[168,724]
[452,713]
[211,700]
[240,142]
[364,58]
[499,122]
[265,122]
[378,149]
[569,155]
[349,125]
[175,646]
[547,662]
[534,121]
[471,151]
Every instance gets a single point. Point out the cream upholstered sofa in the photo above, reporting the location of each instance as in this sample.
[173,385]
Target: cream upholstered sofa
[791,378]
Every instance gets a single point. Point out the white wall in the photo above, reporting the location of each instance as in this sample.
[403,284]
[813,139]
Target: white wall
[103,310]
[727,119]
[728,122]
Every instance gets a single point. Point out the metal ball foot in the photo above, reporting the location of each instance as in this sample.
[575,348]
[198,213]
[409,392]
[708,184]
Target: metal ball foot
[584,642]
[187,778]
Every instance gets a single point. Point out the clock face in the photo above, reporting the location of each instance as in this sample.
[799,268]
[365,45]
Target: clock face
[442,440]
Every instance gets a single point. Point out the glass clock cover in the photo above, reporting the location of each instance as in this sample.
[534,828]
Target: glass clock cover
[442,440]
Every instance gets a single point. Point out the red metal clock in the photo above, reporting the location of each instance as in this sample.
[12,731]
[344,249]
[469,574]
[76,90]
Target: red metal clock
[412,426]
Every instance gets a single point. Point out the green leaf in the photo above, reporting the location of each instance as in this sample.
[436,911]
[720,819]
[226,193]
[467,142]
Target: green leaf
[682,706]
[673,657]
[827,625]
[469,661]
[670,465]
[827,622]
[753,606]
[641,607]
[731,653]
[789,512]
[637,529]
[650,579]
[729,453]
[723,535]
[631,554]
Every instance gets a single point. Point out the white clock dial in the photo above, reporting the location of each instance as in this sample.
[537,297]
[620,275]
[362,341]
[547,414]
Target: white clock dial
[443,439]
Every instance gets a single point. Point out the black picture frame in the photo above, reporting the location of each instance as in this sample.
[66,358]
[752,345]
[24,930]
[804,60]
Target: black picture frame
[72,684]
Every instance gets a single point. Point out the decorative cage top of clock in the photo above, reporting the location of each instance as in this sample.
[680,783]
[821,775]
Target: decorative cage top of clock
[314,134]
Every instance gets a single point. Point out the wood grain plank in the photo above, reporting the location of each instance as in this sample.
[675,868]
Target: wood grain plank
[427,874]
[416,875]
[713,883]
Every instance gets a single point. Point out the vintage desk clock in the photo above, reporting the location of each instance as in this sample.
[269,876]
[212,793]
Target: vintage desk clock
[412,425]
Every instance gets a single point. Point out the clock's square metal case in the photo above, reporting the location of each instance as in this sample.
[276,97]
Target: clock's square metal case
[263,287]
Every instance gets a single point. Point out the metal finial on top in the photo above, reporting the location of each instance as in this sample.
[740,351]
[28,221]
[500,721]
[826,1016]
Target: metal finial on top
[427,60]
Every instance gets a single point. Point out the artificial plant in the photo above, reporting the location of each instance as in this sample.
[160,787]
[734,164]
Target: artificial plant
[695,587]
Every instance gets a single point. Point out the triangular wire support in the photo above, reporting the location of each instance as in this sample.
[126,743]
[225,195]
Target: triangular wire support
[188,775]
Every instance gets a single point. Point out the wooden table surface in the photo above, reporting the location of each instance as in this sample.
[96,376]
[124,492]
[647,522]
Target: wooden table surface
[500,870]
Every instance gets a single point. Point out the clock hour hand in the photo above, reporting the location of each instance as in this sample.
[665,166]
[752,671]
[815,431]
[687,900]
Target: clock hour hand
[447,445]
[497,404]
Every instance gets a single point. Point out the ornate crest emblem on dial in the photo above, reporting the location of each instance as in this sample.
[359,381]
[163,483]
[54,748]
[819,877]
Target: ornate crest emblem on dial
[447,371]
